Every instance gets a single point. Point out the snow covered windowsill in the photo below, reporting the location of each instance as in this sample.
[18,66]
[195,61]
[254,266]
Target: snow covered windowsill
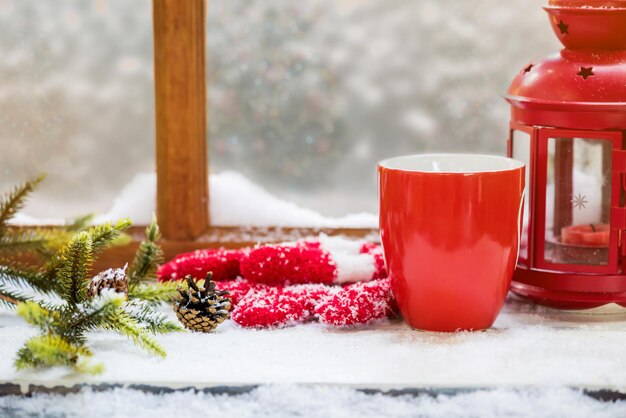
[528,346]
[234,200]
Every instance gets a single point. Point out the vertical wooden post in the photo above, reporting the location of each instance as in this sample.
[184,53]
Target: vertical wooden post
[180,94]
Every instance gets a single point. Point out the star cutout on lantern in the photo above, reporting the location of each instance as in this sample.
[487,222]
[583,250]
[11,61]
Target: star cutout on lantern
[585,72]
[563,28]
[579,201]
[528,68]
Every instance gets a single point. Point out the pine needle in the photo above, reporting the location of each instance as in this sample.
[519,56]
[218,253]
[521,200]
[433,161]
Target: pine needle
[24,241]
[80,224]
[25,359]
[103,236]
[154,292]
[10,297]
[26,277]
[35,314]
[89,316]
[153,321]
[76,259]
[148,257]
[124,324]
[14,201]
[50,350]
[83,365]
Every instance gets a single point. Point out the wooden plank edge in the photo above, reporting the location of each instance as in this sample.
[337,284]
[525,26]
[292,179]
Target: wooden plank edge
[608,394]
[228,237]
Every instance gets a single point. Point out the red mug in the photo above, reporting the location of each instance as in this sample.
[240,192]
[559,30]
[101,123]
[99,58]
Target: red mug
[450,228]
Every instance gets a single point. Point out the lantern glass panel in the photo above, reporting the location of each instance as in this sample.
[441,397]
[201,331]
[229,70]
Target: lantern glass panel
[578,201]
[520,150]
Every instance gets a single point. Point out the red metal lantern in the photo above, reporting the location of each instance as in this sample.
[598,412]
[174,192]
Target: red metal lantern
[568,123]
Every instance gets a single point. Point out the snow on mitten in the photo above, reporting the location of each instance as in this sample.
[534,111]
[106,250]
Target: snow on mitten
[269,307]
[311,295]
[329,260]
[238,289]
[262,306]
[376,251]
[301,262]
[279,306]
[223,263]
[358,303]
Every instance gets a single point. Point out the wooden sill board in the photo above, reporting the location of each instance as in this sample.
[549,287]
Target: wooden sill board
[229,237]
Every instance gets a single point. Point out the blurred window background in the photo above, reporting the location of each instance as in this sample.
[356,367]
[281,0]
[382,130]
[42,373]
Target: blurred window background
[304,97]
[76,100]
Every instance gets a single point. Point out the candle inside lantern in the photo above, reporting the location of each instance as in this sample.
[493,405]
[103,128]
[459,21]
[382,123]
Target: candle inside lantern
[593,235]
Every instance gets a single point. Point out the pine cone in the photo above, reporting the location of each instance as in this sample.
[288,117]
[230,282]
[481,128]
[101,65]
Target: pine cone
[202,308]
[108,279]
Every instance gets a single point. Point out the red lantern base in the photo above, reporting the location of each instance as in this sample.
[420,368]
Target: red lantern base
[568,291]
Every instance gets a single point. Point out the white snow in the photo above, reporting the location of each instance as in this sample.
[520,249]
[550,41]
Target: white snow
[528,346]
[351,265]
[234,200]
[283,401]
[21,218]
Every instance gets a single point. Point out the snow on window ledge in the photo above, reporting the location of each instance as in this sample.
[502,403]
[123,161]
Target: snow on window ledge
[234,200]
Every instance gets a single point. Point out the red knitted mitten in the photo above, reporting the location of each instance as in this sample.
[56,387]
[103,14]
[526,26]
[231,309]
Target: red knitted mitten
[329,260]
[291,283]
[357,303]
[279,306]
[269,307]
[223,263]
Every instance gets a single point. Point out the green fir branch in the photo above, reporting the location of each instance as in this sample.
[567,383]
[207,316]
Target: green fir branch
[124,324]
[154,292]
[11,297]
[102,237]
[84,365]
[75,321]
[35,314]
[105,235]
[50,350]
[80,223]
[54,306]
[147,258]
[26,277]
[25,359]
[24,241]
[76,259]
[14,201]
[64,325]
[149,319]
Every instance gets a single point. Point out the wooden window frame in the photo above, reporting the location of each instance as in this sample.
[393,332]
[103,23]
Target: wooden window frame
[182,157]
[182,201]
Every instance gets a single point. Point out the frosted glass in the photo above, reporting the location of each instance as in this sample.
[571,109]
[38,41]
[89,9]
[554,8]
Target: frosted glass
[306,97]
[578,200]
[76,100]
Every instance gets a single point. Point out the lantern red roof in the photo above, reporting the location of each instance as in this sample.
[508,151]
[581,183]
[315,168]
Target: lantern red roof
[573,77]
[583,86]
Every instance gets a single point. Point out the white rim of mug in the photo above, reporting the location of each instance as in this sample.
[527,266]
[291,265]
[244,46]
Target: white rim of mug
[516,164]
